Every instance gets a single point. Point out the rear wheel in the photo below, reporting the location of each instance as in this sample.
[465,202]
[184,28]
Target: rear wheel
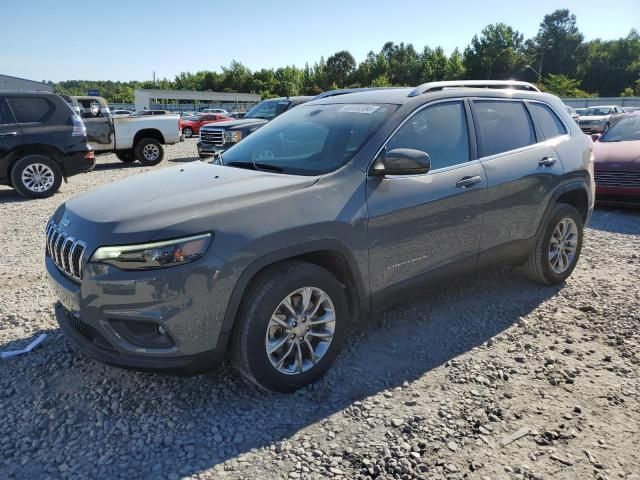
[126,156]
[149,152]
[188,132]
[36,176]
[290,327]
[557,248]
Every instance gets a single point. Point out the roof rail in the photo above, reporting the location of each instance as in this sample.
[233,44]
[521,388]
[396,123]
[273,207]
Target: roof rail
[344,91]
[435,86]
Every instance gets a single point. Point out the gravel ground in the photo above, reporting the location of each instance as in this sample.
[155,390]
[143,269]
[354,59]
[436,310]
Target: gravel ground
[494,377]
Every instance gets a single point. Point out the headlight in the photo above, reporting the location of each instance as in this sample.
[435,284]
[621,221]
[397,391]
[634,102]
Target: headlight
[167,253]
[232,136]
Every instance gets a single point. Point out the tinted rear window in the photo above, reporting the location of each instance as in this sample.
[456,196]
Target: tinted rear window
[504,126]
[5,114]
[30,109]
[549,122]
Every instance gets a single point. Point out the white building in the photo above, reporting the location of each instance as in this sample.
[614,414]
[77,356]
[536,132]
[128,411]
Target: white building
[187,100]
[8,82]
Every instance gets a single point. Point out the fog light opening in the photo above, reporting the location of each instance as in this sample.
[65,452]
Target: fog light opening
[162,331]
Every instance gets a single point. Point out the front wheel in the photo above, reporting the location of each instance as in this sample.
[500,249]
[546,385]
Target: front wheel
[557,248]
[290,327]
[188,132]
[36,176]
[149,152]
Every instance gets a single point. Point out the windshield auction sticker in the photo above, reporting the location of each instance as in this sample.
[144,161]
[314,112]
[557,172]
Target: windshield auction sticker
[359,108]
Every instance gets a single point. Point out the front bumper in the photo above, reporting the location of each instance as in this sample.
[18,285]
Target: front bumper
[592,128]
[211,149]
[115,317]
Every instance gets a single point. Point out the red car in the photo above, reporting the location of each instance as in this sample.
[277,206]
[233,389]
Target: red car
[617,162]
[190,126]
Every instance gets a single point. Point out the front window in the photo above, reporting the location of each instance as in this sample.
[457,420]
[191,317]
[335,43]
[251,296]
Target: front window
[596,111]
[310,139]
[269,109]
[626,130]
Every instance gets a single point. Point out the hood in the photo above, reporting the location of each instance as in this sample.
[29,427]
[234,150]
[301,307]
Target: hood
[617,156]
[139,208]
[239,122]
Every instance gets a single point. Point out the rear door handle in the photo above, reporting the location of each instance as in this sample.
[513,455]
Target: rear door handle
[547,161]
[466,182]
[8,134]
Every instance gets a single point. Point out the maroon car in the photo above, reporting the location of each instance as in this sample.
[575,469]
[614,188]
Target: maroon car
[617,162]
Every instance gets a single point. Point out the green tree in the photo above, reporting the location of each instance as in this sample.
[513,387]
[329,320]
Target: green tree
[563,86]
[236,77]
[498,53]
[558,46]
[340,66]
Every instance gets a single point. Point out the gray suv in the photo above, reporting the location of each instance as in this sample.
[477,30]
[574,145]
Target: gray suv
[324,215]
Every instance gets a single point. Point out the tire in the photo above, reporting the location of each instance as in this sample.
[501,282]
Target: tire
[607,126]
[544,267]
[149,152]
[204,157]
[264,301]
[126,156]
[36,176]
[188,132]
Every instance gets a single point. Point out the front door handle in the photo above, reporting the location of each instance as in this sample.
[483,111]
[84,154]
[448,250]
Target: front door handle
[466,182]
[547,161]
[8,134]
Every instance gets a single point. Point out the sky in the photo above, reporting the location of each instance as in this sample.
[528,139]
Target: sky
[129,40]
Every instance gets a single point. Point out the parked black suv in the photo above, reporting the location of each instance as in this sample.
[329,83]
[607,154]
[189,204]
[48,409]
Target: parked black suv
[322,216]
[42,141]
[217,137]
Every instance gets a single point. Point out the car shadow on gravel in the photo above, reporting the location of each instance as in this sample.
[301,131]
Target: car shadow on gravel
[624,220]
[91,420]
[103,166]
[9,195]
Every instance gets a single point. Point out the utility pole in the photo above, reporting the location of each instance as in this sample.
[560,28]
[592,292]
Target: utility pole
[154,79]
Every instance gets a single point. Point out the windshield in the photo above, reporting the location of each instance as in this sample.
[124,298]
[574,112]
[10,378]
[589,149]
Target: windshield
[268,109]
[595,111]
[626,130]
[309,139]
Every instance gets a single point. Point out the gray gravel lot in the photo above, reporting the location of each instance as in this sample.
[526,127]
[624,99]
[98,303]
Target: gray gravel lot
[493,377]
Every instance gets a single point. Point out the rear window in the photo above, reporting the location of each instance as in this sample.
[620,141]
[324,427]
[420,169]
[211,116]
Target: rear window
[504,126]
[5,114]
[549,122]
[30,109]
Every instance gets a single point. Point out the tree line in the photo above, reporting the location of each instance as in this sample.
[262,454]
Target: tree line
[557,58]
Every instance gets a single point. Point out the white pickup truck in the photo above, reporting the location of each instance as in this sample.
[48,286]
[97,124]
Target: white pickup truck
[131,137]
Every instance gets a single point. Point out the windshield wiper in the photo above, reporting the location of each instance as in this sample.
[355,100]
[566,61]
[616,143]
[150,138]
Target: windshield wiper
[255,166]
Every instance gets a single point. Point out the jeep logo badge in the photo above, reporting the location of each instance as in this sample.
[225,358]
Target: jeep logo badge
[65,221]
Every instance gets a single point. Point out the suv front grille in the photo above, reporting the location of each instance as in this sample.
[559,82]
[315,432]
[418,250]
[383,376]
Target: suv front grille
[614,178]
[216,137]
[65,251]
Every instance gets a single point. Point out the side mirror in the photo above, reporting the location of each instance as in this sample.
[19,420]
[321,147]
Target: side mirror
[401,161]
[595,136]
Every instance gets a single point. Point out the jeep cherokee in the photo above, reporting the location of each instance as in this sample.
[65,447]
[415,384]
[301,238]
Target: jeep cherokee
[328,212]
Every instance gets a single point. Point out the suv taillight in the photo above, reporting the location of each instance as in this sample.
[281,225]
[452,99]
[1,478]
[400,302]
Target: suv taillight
[79,129]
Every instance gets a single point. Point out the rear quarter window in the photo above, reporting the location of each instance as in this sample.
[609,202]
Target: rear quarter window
[6,117]
[503,126]
[548,121]
[30,109]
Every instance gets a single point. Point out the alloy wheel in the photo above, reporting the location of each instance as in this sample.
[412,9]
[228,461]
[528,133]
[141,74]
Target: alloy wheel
[300,330]
[151,152]
[38,177]
[563,245]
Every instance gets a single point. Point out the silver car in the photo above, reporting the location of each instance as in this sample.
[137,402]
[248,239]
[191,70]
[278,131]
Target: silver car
[600,119]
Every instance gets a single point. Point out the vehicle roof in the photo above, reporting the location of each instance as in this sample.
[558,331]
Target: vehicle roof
[26,92]
[602,106]
[400,96]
